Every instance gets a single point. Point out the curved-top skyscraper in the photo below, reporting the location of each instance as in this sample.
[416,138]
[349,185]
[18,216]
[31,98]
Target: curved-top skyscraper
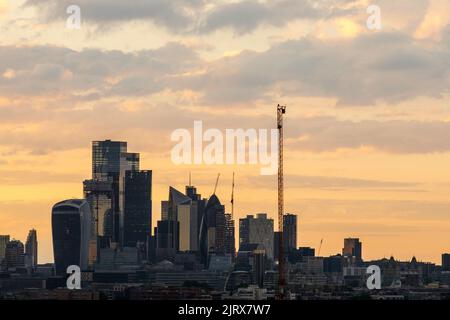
[71,229]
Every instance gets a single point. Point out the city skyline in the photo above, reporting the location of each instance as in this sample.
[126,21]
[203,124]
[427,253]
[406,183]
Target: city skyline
[366,150]
[161,216]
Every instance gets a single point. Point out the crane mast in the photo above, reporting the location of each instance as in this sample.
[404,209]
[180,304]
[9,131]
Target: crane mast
[281,110]
[232,199]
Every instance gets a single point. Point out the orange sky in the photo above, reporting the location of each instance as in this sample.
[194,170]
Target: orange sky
[367,128]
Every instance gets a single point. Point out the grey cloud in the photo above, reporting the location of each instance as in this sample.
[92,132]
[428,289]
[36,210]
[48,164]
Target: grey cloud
[187,16]
[42,70]
[245,16]
[364,71]
[325,134]
[175,14]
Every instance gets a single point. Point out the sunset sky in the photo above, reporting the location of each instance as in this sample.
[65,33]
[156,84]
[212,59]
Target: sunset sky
[367,150]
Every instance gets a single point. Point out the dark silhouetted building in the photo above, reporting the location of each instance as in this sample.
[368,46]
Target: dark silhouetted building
[446,262]
[71,229]
[259,267]
[230,242]
[290,232]
[352,248]
[212,229]
[166,235]
[4,239]
[31,249]
[14,255]
[138,207]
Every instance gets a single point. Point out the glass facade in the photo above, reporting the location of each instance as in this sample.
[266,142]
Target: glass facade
[110,161]
[71,230]
[138,207]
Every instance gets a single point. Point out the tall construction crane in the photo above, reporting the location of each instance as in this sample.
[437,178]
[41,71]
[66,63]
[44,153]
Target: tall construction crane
[232,199]
[320,247]
[281,110]
[217,182]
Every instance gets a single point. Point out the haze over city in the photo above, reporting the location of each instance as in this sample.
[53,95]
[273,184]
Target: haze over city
[367,134]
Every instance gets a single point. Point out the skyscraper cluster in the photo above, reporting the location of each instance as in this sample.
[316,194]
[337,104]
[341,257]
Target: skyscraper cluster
[116,211]
[113,221]
[14,255]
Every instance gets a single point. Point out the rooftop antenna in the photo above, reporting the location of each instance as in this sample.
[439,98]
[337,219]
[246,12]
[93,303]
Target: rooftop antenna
[190,179]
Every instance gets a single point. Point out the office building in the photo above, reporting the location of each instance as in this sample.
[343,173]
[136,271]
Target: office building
[212,229]
[446,262]
[352,248]
[166,234]
[290,232]
[230,244]
[181,209]
[259,230]
[14,255]
[99,195]
[4,239]
[71,229]
[138,207]
[164,210]
[259,267]
[110,161]
[31,249]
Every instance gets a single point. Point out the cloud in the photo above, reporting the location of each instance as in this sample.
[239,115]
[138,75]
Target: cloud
[41,70]
[369,69]
[246,16]
[363,71]
[189,16]
[175,15]
[326,134]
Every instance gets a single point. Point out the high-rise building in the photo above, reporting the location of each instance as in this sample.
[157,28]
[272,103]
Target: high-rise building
[290,232]
[181,208]
[71,229]
[446,262]
[14,255]
[259,268]
[99,195]
[166,235]
[164,210]
[31,249]
[110,161]
[198,205]
[276,245]
[213,229]
[138,207]
[259,230]
[3,242]
[352,248]
[230,242]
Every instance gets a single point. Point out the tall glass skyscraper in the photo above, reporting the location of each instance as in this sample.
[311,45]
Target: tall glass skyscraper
[138,207]
[110,161]
[71,229]
[290,232]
